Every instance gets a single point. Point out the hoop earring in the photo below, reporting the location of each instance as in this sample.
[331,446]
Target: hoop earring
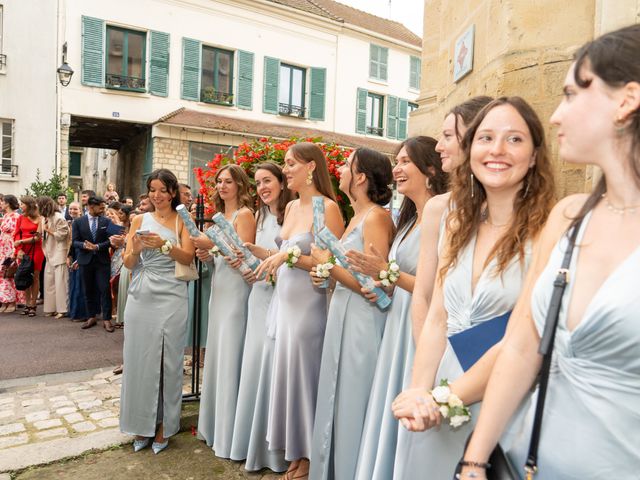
[473,180]
[310,177]
[428,183]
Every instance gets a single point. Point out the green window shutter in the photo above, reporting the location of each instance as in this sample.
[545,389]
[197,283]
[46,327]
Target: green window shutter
[75,164]
[159,64]
[373,60]
[190,69]
[318,89]
[392,116]
[271,77]
[361,111]
[414,74]
[244,98]
[384,58]
[403,114]
[92,51]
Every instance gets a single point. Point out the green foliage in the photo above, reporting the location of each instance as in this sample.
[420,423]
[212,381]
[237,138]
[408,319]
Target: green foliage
[50,188]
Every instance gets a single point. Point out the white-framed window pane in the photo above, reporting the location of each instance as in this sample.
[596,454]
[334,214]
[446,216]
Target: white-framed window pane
[297,88]
[115,49]
[208,59]
[284,84]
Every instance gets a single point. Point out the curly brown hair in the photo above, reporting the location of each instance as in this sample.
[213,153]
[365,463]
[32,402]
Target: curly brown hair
[531,209]
[242,181]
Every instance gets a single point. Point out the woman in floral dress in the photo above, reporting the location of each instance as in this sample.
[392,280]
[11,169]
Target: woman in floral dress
[8,292]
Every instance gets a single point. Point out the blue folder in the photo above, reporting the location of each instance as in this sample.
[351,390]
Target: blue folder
[471,344]
[113,229]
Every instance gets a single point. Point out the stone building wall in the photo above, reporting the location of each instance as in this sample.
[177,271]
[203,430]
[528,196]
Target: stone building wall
[521,48]
[172,154]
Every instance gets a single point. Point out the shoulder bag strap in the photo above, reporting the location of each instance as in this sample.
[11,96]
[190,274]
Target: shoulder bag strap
[546,350]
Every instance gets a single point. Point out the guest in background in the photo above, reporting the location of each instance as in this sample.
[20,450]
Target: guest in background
[145,204]
[128,201]
[91,240]
[77,304]
[28,241]
[84,199]
[111,195]
[8,293]
[56,245]
[61,198]
[185,195]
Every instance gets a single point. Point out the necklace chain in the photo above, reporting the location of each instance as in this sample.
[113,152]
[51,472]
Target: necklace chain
[484,218]
[632,209]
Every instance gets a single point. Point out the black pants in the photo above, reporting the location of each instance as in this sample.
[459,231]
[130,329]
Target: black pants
[95,279]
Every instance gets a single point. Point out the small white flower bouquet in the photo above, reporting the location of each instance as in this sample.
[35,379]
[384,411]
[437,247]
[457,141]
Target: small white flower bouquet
[451,407]
[293,255]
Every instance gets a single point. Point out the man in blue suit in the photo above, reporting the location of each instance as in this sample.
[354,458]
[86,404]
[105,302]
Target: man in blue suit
[91,234]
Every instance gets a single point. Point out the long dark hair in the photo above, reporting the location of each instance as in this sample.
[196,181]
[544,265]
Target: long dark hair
[169,180]
[32,207]
[613,57]
[467,111]
[422,152]
[377,169]
[530,209]
[12,201]
[284,197]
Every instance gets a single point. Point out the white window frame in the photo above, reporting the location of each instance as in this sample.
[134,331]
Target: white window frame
[11,158]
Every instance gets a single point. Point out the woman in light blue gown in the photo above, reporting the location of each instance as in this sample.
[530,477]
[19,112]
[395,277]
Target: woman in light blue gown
[299,310]
[486,253]
[354,325]
[156,318]
[591,421]
[249,431]
[419,176]
[227,315]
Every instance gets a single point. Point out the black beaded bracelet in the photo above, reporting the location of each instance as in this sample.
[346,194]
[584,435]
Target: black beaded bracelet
[469,463]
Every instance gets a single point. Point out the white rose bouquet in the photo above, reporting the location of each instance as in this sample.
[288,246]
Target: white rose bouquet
[451,407]
[293,255]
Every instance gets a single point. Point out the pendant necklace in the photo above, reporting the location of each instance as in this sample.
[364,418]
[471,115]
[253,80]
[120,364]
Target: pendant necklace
[632,209]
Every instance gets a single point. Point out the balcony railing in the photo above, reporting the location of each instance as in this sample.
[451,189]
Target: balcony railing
[124,82]
[379,131]
[9,169]
[291,110]
[3,60]
[209,95]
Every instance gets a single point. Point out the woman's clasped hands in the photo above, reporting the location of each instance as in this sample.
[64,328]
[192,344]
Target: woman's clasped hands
[370,265]
[416,409]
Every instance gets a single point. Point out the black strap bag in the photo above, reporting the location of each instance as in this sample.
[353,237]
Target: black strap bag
[23,277]
[500,468]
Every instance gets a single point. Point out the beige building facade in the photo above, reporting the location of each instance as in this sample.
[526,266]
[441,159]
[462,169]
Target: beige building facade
[520,47]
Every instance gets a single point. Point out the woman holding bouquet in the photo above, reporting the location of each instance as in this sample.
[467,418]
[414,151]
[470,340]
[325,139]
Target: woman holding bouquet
[298,311]
[590,424]
[250,429]
[227,314]
[354,325]
[419,176]
[503,192]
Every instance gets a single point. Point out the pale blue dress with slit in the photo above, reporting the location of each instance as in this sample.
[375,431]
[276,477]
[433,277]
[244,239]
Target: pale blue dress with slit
[434,453]
[393,370]
[248,392]
[156,325]
[591,421]
[351,344]
[301,316]
[223,359]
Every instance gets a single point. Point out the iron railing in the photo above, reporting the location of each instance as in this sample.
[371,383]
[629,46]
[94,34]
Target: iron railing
[209,95]
[292,110]
[375,131]
[124,82]
[9,169]
[3,60]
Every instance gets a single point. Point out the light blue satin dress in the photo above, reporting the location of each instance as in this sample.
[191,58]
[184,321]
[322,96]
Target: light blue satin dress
[434,453]
[591,421]
[248,400]
[301,316]
[351,344]
[223,360]
[393,370]
[156,325]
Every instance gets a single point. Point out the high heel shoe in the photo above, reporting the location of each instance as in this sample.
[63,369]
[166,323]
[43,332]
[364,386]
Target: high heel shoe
[157,447]
[140,444]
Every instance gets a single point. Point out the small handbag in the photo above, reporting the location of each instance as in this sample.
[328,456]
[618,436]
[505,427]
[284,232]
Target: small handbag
[185,272]
[23,277]
[9,267]
[501,467]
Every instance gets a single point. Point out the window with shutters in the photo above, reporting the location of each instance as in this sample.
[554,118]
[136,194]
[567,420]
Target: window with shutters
[414,73]
[378,58]
[126,59]
[375,107]
[7,167]
[216,81]
[75,164]
[291,90]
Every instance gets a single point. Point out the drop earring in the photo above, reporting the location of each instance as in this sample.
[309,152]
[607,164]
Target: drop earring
[473,180]
[428,183]
[310,177]
[527,179]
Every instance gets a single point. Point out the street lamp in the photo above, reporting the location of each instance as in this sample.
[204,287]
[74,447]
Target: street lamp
[65,72]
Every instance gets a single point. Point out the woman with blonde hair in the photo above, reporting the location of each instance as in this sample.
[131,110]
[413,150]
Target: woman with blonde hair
[56,233]
[298,311]
[227,314]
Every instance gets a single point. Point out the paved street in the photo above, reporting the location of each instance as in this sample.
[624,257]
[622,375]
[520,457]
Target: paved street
[42,345]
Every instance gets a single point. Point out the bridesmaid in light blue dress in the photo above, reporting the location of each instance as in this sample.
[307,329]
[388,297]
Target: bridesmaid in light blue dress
[249,431]
[482,269]
[354,325]
[417,165]
[227,316]
[299,310]
[591,420]
[155,318]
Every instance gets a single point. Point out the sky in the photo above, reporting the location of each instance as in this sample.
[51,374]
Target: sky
[407,12]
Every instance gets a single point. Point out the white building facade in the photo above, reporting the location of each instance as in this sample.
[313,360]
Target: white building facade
[172,82]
